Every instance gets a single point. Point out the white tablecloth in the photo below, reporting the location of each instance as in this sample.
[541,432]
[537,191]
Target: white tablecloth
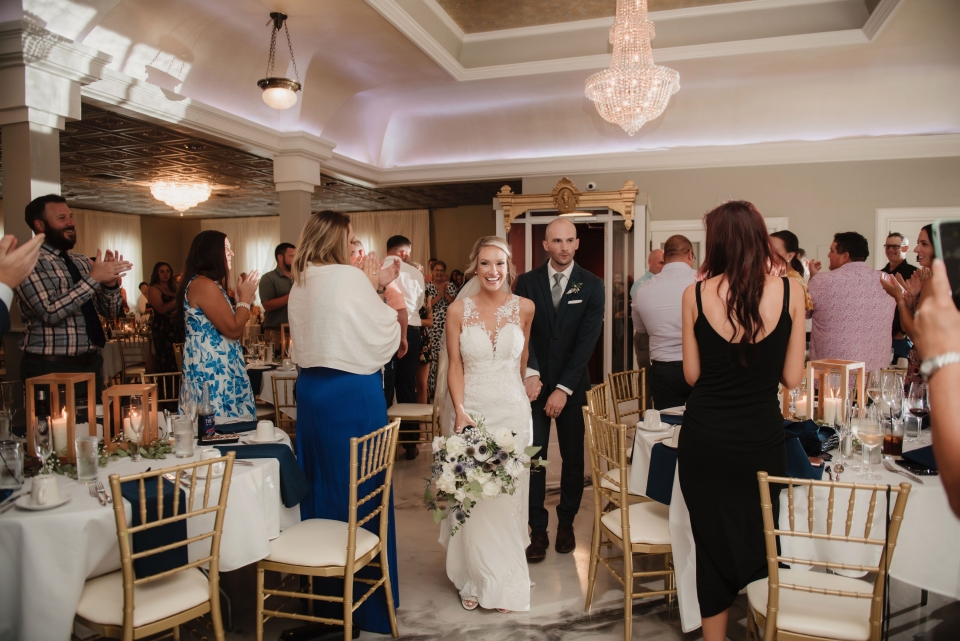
[266,391]
[928,548]
[45,557]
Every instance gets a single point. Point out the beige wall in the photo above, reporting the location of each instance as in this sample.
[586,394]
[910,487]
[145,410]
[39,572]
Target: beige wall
[819,199]
[167,239]
[453,231]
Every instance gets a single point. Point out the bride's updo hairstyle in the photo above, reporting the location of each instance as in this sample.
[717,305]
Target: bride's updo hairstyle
[491,241]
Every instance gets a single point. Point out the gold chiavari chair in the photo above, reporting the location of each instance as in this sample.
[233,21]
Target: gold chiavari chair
[628,395]
[597,400]
[168,389]
[425,415]
[120,606]
[639,528]
[806,605]
[134,351]
[284,335]
[178,354]
[283,398]
[323,547]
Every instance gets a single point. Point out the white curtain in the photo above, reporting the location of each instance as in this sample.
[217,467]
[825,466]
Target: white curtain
[373,228]
[118,232]
[253,240]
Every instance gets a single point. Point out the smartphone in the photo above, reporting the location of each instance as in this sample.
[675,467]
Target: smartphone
[946,244]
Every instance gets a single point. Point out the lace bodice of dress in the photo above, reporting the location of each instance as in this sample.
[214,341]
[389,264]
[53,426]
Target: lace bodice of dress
[491,358]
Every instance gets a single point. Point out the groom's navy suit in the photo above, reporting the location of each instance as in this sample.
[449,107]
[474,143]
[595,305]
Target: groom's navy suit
[561,344]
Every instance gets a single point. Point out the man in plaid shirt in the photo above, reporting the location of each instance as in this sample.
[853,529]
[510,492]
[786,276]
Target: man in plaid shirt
[60,300]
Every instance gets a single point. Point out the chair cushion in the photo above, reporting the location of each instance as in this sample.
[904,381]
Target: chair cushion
[318,543]
[817,615]
[409,410]
[609,485]
[649,523]
[102,598]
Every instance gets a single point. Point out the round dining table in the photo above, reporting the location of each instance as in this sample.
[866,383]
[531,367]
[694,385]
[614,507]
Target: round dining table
[46,556]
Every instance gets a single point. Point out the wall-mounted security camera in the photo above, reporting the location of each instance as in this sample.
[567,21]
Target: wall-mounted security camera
[591,186]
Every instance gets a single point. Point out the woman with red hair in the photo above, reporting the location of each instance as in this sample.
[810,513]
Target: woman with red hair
[743,334]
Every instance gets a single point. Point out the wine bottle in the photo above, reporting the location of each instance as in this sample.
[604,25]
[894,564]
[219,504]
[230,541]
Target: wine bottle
[206,425]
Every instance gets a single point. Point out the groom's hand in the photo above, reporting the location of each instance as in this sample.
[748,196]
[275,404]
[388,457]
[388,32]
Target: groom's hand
[555,403]
[533,385]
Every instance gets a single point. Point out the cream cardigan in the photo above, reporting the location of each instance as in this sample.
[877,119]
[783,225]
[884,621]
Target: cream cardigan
[338,321]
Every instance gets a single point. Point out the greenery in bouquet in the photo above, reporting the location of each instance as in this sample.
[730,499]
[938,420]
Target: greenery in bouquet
[476,464]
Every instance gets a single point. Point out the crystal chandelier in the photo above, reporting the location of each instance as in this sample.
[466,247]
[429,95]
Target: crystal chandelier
[180,195]
[279,93]
[633,90]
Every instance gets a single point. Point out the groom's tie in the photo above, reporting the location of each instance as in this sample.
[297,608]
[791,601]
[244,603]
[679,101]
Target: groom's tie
[557,291]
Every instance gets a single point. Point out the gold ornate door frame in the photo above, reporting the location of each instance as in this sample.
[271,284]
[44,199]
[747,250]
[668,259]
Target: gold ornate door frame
[566,198]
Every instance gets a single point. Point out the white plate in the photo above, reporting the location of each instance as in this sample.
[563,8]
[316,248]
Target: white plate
[24,503]
[258,367]
[663,427]
[278,436]
[292,369]
[674,411]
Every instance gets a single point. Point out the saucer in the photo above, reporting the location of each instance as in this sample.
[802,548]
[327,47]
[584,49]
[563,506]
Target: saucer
[263,366]
[292,369]
[24,503]
[277,438]
[662,428]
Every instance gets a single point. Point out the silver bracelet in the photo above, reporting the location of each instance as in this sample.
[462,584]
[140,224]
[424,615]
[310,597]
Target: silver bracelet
[931,365]
[245,305]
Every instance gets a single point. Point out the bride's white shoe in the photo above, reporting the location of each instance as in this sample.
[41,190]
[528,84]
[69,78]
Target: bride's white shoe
[468,604]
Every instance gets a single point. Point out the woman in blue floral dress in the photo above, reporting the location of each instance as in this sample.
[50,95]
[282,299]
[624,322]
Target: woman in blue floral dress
[212,350]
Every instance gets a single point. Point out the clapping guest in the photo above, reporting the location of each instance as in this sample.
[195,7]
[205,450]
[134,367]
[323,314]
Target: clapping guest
[787,245]
[344,334]
[895,247]
[166,326]
[211,352]
[143,303]
[743,334]
[440,292]
[456,277]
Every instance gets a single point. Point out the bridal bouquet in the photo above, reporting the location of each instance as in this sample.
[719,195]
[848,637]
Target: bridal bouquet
[474,465]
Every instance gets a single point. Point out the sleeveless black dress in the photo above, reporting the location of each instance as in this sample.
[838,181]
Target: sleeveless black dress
[732,428]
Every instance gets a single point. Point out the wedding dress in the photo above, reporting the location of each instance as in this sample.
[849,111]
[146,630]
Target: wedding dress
[486,558]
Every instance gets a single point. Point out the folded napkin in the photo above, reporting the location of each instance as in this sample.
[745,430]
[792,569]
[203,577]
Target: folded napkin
[671,419]
[922,456]
[234,428]
[158,536]
[798,462]
[663,465]
[814,439]
[293,482]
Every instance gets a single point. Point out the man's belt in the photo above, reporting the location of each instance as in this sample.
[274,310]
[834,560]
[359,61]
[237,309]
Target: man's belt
[79,359]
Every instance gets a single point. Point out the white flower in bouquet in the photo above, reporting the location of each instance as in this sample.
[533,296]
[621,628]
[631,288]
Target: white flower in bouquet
[459,495]
[504,439]
[456,446]
[438,443]
[477,474]
[482,452]
[447,483]
[492,488]
[514,468]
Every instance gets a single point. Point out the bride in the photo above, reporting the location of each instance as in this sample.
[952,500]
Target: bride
[487,332]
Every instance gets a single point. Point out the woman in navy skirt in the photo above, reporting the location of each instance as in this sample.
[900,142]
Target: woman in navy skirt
[343,334]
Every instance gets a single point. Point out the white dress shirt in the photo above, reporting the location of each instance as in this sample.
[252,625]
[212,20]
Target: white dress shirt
[656,310]
[564,279]
[411,281]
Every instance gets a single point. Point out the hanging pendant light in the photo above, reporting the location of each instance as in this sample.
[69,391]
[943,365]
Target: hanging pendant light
[279,93]
[633,90]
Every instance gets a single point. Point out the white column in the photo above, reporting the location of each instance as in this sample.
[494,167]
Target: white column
[296,175]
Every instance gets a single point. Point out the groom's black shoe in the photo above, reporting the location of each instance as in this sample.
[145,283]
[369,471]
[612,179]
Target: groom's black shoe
[566,540]
[537,550]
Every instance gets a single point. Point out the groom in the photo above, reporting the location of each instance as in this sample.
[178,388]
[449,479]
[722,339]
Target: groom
[566,325]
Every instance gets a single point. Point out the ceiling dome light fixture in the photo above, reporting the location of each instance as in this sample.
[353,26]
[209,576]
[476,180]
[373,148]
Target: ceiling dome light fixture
[279,93]
[180,195]
[633,90]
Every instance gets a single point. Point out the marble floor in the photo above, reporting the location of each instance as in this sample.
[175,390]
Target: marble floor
[430,609]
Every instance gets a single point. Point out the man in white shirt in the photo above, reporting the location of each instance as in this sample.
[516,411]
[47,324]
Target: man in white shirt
[656,311]
[405,368]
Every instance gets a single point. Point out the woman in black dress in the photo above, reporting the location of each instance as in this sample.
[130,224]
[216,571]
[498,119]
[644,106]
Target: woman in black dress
[166,325]
[743,333]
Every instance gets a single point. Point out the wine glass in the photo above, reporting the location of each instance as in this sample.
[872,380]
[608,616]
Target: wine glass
[42,440]
[188,402]
[871,437]
[874,387]
[851,412]
[794,393]
[919,406]
[7,391]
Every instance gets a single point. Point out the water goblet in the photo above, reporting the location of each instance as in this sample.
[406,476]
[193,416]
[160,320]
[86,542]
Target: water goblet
[871,437]
[43,440]
[874,387]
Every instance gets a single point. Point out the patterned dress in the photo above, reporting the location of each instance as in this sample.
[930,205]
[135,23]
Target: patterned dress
[208,356]
[165,331]
[437,335]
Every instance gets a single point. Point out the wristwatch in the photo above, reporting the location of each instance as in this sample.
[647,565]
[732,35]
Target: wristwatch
[929,366]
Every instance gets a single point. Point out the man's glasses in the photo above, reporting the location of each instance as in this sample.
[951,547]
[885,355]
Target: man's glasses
[893,246]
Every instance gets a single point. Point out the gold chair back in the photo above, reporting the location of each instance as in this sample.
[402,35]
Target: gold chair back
[134,352]
[284,335]
[178,354]
[200,469]
[370,455]
[168,389]
[628,395]
[597,400]
[284,398]
[847,532]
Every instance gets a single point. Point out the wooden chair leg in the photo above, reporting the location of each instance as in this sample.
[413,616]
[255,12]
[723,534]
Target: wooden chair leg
[627,590]
[348,606]
[391,609]
[594,562]
[215,614]
[751,625]
[260,604]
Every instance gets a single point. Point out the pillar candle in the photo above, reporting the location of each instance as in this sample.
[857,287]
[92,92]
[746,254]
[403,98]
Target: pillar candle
[802,406]
[59,435]
[831,408]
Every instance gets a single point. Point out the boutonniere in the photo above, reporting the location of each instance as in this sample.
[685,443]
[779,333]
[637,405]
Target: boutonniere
[575,289]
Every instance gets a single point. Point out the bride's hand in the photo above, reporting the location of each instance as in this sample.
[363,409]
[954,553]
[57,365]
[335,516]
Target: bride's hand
[462,421]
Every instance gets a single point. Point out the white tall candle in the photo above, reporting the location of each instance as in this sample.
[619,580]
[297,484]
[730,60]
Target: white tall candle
[831,408]
[60,435]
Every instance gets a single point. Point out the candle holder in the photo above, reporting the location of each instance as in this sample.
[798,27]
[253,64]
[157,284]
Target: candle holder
[819,388]
[113,416]
[65,412]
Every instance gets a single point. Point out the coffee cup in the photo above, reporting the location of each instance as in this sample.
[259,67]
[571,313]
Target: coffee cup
[287,364]
[651,419]
[265,432]
[902,363]
[45,490]
[209,453]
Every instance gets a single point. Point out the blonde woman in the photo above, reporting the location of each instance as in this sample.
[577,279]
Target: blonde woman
[344,334]
[487,333]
